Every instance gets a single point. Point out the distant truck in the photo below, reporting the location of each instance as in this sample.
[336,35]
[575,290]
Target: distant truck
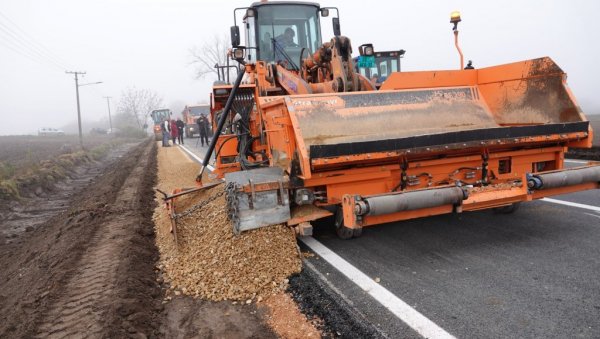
[158,115]
[190,116]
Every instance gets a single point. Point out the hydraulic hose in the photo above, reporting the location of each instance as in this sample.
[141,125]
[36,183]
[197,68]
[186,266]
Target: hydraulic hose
[220,125]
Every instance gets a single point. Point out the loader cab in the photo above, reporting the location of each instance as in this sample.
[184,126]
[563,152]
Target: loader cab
[159,115]
[385,63]
[278,31]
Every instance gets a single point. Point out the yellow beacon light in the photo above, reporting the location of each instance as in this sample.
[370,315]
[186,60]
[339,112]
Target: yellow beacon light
[455,17]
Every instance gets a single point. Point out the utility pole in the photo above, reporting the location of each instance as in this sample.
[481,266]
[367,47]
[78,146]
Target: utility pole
[78,107]
[77,85]
[109,118]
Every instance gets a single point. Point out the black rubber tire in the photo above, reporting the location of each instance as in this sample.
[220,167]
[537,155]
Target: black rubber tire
[342,231]
[509,209]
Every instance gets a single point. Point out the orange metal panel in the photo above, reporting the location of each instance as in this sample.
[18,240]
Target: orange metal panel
[494,197]
[227,145]
[429,79]
[540,142]
[427,212]
[305,213]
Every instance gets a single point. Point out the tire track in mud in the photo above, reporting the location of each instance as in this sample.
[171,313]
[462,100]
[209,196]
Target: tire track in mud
[90,304]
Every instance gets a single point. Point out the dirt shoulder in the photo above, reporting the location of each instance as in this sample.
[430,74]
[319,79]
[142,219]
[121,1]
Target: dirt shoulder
[26,213]
[245,276]
[184,315]
[89,269]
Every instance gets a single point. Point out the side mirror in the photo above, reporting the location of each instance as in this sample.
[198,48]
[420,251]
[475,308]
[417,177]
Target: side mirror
[235,36]
[324,12]
[336,26]
[366,50]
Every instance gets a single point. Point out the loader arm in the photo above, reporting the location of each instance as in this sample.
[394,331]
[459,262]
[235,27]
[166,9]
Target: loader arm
[331,69]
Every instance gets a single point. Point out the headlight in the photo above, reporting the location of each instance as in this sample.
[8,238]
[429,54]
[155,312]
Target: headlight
[238,53]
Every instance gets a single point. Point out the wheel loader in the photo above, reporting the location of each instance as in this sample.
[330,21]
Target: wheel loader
[378,67]
[300,135]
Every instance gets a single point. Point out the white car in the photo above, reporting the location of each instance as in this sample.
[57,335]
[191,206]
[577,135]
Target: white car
[50,131]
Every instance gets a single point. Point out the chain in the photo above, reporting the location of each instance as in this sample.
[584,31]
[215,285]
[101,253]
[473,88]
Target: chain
[200,205]
[233,206]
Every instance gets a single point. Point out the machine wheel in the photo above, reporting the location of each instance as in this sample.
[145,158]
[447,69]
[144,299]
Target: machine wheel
[342,231]
[507,209]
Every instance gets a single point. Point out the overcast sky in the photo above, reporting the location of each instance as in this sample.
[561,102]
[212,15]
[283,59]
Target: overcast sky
[145,43]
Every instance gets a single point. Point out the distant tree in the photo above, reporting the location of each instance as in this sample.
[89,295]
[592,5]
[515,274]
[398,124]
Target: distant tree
[212,52]
[135,104]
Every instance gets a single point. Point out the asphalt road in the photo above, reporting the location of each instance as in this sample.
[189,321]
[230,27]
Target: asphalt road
[531,274]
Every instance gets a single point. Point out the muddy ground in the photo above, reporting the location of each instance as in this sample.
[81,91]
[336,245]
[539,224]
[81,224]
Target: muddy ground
[28,212]
[91,268]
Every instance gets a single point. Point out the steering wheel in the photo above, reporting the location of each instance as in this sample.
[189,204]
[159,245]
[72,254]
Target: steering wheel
[301,59]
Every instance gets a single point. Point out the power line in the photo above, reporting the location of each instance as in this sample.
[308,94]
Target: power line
[22,45]
[15,47]
[26,39]
[29,56]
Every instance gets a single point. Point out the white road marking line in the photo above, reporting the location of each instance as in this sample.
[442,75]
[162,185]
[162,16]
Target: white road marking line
[572,204]
[593,215]
[210,168]
[399,308]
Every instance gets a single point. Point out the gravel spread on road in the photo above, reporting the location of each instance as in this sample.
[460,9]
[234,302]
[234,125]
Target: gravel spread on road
[287,321]
[209,261]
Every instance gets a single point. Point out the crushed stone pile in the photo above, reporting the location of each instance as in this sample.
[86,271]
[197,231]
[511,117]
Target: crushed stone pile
[210,262]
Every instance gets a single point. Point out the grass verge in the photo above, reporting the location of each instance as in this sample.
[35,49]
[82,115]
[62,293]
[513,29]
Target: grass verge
[14,182]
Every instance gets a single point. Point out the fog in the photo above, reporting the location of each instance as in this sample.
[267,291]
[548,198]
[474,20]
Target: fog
[145,44]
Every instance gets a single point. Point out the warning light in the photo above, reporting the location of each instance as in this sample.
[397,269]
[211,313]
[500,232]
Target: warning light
[455,17]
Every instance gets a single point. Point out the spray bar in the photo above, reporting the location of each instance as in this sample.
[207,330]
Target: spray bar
[565,178]
[392,203]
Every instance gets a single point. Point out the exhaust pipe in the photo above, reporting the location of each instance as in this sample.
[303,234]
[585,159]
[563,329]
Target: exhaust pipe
[564,178]
[408,201]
